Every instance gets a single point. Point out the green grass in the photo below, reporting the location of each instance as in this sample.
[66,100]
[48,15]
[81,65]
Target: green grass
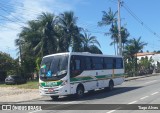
[4,85]
[29,85]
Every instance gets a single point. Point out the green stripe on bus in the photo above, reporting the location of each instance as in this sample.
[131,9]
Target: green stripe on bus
[119,74]
[75,79]
[81,78]
[103,76]
[51,83]
[97,77]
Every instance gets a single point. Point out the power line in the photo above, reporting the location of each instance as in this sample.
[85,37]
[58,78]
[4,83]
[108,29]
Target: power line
[11,20]
[7,27]
[11,7]
[12,15]
[139,20]
[113,1]
[99,32]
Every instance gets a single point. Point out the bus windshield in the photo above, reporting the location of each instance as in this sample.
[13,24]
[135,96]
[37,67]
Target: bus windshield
[54,67]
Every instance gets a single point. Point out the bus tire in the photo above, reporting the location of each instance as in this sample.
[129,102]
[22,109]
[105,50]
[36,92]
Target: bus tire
[54,97]
[80,91]
[111,85]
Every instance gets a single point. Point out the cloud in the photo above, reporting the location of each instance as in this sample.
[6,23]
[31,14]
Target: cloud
[20,13]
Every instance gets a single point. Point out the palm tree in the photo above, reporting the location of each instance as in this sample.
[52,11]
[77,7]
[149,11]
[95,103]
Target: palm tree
[47,43]
[69,30]
[137,44]
[114,35]
[40,35]
[37,39]
[109,18]
[19,42]
[124,35]
[89,43]
[132,48]
[30,36]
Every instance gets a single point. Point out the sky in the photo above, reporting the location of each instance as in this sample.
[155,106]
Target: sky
[144,21]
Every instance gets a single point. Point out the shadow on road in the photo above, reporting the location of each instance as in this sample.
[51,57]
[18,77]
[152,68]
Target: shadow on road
[99,94]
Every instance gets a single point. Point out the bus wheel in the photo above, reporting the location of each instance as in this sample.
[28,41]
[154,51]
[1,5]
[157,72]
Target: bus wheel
[54,97]
[111,85]
[80,91]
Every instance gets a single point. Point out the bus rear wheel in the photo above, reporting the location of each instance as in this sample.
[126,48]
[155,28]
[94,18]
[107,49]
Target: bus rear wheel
[80,92]
[111,85]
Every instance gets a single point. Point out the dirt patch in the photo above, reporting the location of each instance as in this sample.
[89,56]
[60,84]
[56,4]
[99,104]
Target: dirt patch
[13,94]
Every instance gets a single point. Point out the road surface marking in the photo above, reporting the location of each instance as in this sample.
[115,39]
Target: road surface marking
[150,82]
[34,111]
[68,102]
[111,111]
[74,102]
[154,93]
[144,97]
[132,102]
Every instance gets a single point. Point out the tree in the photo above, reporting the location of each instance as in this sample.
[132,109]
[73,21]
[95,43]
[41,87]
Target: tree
[114,36]
[145,63]
[49,34]
[8,64]
[48,41]
[137,45]
[109,18]
[69,31]
[132,48]
[124,35]
[29,37]
[36,40]
[89,43]
[157,51]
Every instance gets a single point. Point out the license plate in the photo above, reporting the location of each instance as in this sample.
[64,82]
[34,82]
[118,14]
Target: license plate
[50,90]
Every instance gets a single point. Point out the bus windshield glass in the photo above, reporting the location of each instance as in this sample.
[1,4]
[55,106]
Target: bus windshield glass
[54,67]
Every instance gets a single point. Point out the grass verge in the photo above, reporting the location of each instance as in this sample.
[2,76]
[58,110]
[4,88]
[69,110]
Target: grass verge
[29,85]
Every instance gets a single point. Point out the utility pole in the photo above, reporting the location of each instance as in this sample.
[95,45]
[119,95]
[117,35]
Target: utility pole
[119,28]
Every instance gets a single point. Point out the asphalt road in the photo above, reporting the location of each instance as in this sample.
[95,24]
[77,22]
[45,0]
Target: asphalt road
[140,91]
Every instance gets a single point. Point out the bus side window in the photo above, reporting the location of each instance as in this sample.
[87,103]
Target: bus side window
[88,65]
[97,63]
[77,64]
[75,68]
[119,63]
[109,63]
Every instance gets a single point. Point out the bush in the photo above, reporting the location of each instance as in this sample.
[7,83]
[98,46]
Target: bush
[3,75]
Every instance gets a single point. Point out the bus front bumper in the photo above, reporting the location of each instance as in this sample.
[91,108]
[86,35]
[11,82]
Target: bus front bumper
[51,91]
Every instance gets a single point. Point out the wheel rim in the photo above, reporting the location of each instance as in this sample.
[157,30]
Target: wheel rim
[80,92]
[111,86]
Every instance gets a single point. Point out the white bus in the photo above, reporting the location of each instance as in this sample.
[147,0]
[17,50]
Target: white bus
[79,72]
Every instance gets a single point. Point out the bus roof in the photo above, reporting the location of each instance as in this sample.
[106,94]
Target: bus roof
[65,53]
[82,53]
[92,54]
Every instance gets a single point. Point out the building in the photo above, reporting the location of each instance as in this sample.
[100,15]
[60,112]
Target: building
[155,56]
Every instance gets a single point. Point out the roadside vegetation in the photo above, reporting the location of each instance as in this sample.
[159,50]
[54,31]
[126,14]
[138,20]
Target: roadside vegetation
[32,84]
[51,33]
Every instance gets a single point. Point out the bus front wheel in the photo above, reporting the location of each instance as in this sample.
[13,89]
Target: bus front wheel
[80,91]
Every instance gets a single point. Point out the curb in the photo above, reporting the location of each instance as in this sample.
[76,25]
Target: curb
[138,77]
